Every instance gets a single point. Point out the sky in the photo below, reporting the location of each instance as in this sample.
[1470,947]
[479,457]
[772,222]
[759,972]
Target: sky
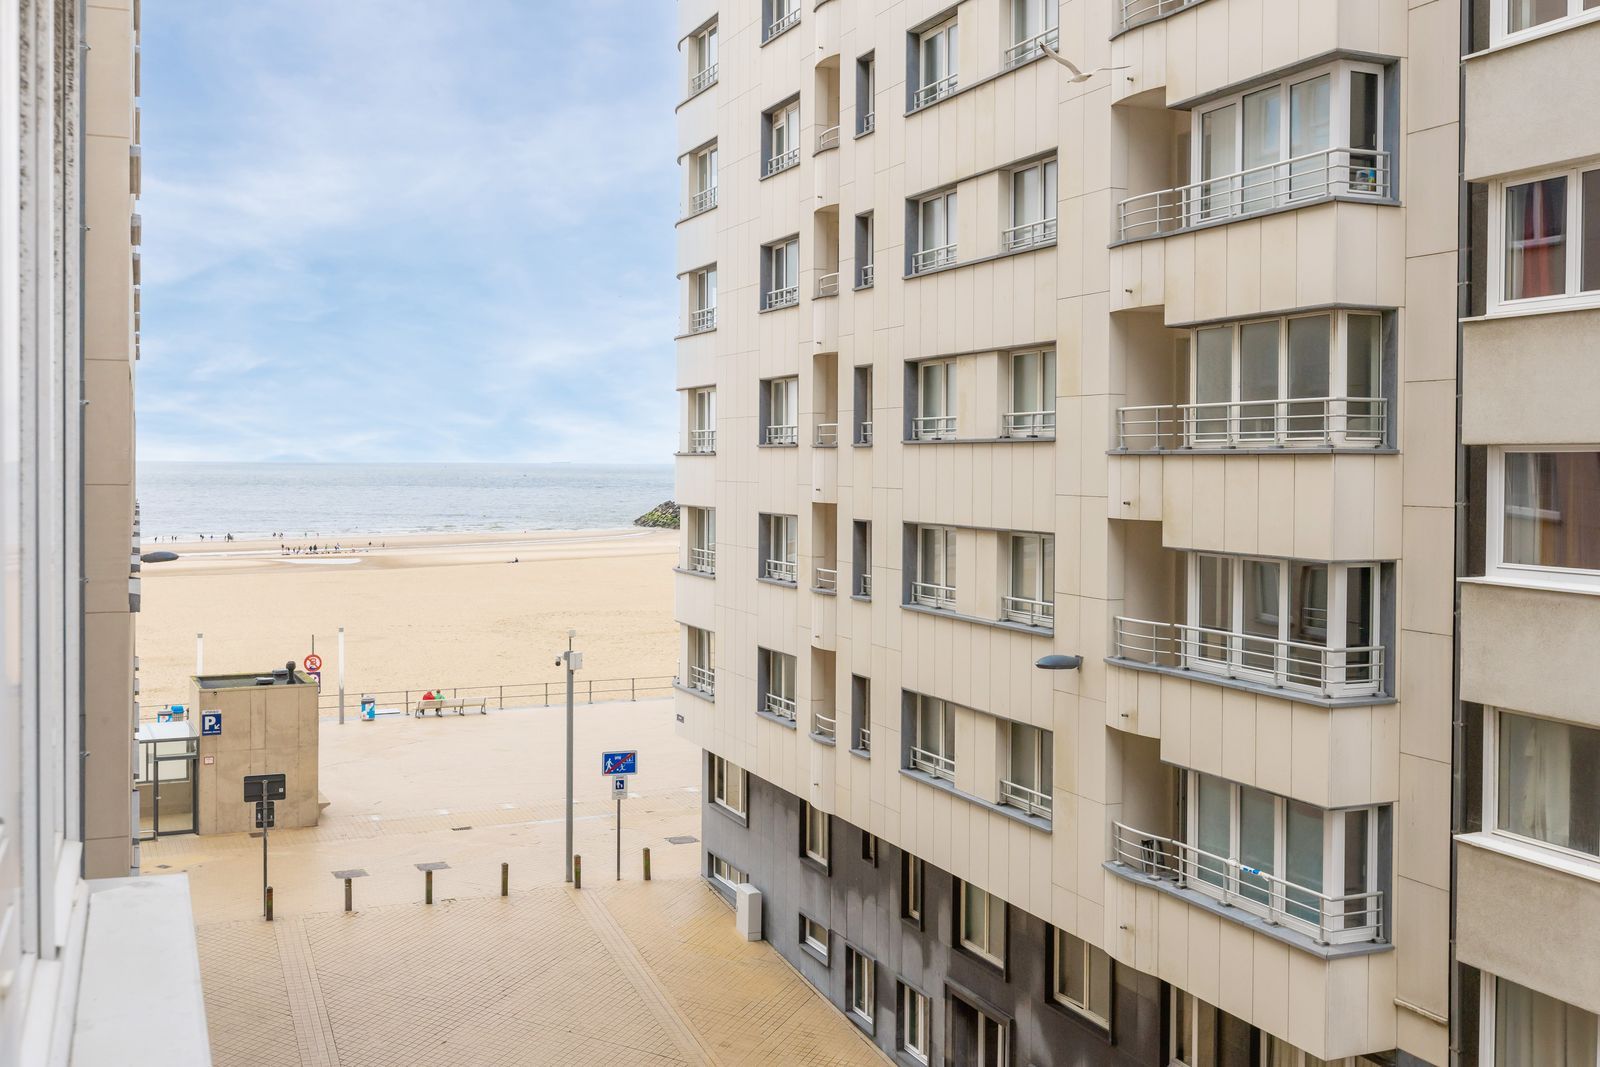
[395,230]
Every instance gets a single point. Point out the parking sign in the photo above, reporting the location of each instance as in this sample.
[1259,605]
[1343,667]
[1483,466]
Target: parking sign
[210,723]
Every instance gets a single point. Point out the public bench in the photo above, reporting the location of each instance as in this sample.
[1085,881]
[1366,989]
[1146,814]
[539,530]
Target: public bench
[458,706]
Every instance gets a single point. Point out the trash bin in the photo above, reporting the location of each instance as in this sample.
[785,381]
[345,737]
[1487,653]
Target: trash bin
[369,707]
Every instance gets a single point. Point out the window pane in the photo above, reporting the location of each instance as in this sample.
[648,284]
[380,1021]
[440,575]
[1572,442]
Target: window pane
[1532,1029]
[1258,378]
[1357,870]
[1071,981]
[1309,341]
[1546,775]
[1363,110]
[1363,370]
[1213,379]
[972,926]
[1214,821]
[1263,140]
[1552,510]
[1262,614]
[1308,133]
[1589,212]
[1536,239]
[1524,14]
[1302,861]
[1257,834]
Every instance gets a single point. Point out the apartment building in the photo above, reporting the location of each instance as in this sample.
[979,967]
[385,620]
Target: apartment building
[1527,851]
[81,942]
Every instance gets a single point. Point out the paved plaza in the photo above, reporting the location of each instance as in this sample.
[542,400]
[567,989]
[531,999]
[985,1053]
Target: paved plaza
[635,972]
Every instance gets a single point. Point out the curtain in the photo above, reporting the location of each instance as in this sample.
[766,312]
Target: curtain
[1533,1030]
[1536,242]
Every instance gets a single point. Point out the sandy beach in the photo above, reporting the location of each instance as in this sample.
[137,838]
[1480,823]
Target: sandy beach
[419,610]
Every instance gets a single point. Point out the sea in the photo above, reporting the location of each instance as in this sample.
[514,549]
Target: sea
[250,500]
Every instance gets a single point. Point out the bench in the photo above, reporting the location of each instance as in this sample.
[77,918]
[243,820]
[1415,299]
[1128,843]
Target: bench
[458,706]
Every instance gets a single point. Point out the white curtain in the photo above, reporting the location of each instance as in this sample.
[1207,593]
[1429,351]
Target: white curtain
[1533,1030]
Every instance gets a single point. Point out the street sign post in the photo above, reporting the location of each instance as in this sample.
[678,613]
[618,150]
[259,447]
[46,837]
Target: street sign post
[262,790]
[619,762]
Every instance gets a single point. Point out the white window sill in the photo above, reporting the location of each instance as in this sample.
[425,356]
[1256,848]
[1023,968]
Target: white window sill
[1578,867]
[1538,33]
[1543,306]
[1547,585]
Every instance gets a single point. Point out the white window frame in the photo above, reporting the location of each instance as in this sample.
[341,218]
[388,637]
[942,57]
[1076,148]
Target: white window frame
[702,530]
[866,103]
[704,53]
[783,548]
[1500,22]
[728,783]
[1040,423]
[1491,784]
[946,41]
[1032,224]
[927,256]
[783,138]
[785,14]
[915,1031]
[725,872]
[1034,23]
[912,881]
[783,399]
[1494,534]
[704,180]
[703,420]
[934,582]
[780,668]
[1035,606]
[861,979]
[1036,799]
[938,401]
[810,930]
[817,834]
[1488,1010]
[783,274]
[995,954]
[1573,297]
[702,658]
[942,747]
[1093,960]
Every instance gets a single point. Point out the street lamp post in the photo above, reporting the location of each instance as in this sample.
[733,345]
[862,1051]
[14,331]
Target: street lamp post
[574,662]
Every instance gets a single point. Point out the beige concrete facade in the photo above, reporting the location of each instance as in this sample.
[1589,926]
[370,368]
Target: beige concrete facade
[1122,307]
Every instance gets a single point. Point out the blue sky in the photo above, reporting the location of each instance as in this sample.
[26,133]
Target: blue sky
[404,230]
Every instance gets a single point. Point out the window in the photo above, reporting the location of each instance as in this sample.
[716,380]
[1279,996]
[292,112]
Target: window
[933,737]
[1319,134]
[863,405]
[703,195]
[1520,1028]
[976,1037]
[915,1024]
[1033,28]
[936,401]
[777,683]
[983,924]
[703,300]
[1513,17]
[725,872]
[934,585]
[1033,395]
[1033,205]
[701,526]
[780,16]
[703,60]
[702,660]
[866,93]
[780,272]
[1541,781]
[1306,380]
[1202,1036]
[781,134]
[1027,782]
[1550,228]
[1031,600]
[935,231]
[1082,979]
[861,551]
[779,547]
[703,421]
[1289,623]
[814,936]
[727,784]
[860,985]
[869,848]
[816,832]
[937,63]
[1545,514]
[861,713]
[864,269]
[911,878]
[781,401]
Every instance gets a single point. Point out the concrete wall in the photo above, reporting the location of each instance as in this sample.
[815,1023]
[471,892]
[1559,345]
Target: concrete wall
[265,729]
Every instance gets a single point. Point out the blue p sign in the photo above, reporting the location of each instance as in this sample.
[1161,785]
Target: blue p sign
[210,723]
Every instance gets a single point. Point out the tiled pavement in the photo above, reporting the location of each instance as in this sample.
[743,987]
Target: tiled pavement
[632,972]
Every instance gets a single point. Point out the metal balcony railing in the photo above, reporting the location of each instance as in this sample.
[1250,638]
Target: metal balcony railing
[866,277]
[1327,920]
[867,123]
[703,560]
[782,298]
[781,706]
[783,161]
[703,200]
[703,679]
[702,320]
[864,739]
[1029,424]
[933,595]
[703,79]
[929,258]
[1135,12]
[780,570]
[824,725]
[1329,172]
[864,432]
[1028,235]
[934,91]
[827,434]
[702,442]
[828,138]
[864,584]
[826,580]
[1308,422]
[782,22]
[933,427]
[783,434]
[1023,51]
[1029,800]
[1028,612]
[1329,672]
[933,763]
[828,284]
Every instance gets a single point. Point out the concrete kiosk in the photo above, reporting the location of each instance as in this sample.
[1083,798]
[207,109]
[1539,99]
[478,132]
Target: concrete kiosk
[268,724]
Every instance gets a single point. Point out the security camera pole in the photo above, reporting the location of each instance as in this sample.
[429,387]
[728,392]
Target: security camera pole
[574,662]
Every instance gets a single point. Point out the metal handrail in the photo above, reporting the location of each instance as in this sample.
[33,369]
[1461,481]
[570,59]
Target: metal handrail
[864,739]
[1028,235]
[864,585]
[1330,672]
[703,679]
[783,161]
[1135,12]
[783,433]
[1029,800]
[826,580]
[1023,51]
[1325,918]
[783,298]
[781,570]
[702,442]
[824,725]
[703,560]
[1028,611]
[868,123]
[703,200]
[783,22]
[828,284]
[828,138]
[827,434]
[703,79]
[933,427]
[1029,424]
[866,276]
[702,320]
[783,707]
[1315,421]
[1327,172]
[929,258]
[504,695]
[933,763]
[864,432]
[935,91]
[933,595]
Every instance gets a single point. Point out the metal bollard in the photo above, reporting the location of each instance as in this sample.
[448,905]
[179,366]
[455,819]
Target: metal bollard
[347,895]
[647,864]
[427,888]
[269,903]
[505,879]
[577,872]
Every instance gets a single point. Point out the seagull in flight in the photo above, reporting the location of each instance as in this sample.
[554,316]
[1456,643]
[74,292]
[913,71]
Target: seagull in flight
[1077,75]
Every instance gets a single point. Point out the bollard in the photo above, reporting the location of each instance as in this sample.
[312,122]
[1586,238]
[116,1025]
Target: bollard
[505,879]
[347,894]
[427,887]
[269,903]
[577,872]
[647,864]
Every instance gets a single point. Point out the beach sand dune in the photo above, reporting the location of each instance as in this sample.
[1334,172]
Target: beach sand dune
[419,610]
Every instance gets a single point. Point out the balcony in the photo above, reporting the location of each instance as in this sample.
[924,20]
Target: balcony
[864,739]
[864,277]
[780,570]
[702,201]
[827,435]
[781,298]
[824,726]
[1137,12]
[702,320]
[1028,424]
[929,258]
[1332,673]
[828,285]
[933,595]
[934,92]
[782,23]
[864,433]
[1332,172]
[933,428]
[782,707]
[703,80]
[1034,46]
[703,679]
[1029,800]
[866,124]
[1029,235]
[1327,920]
[825,580]
[933,764]
[1310,422]
[782,434]
[780,162]
[703,560]
[828,138]
[1028,612]
[703,442]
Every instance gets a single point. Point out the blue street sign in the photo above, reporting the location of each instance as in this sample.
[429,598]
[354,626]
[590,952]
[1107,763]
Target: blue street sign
[619,763]
[619,786]
[210,723]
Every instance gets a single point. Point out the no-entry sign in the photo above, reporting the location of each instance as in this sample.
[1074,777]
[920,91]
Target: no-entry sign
[313,663]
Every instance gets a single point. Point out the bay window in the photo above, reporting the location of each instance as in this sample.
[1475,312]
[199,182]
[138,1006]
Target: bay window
[1540,781]
[1030,769]
[1032,584]
[936,401]
[937,62]
[936,232]
[781,136]
[1544,514]
[780,547]
[982,922]
[1033,28]
[776,671]
[780,403]
[1520,1027]
[1033,206]
[780,274]
[1033,395]
[1549,230]
[934,584]
[1082,978]
[933,739]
